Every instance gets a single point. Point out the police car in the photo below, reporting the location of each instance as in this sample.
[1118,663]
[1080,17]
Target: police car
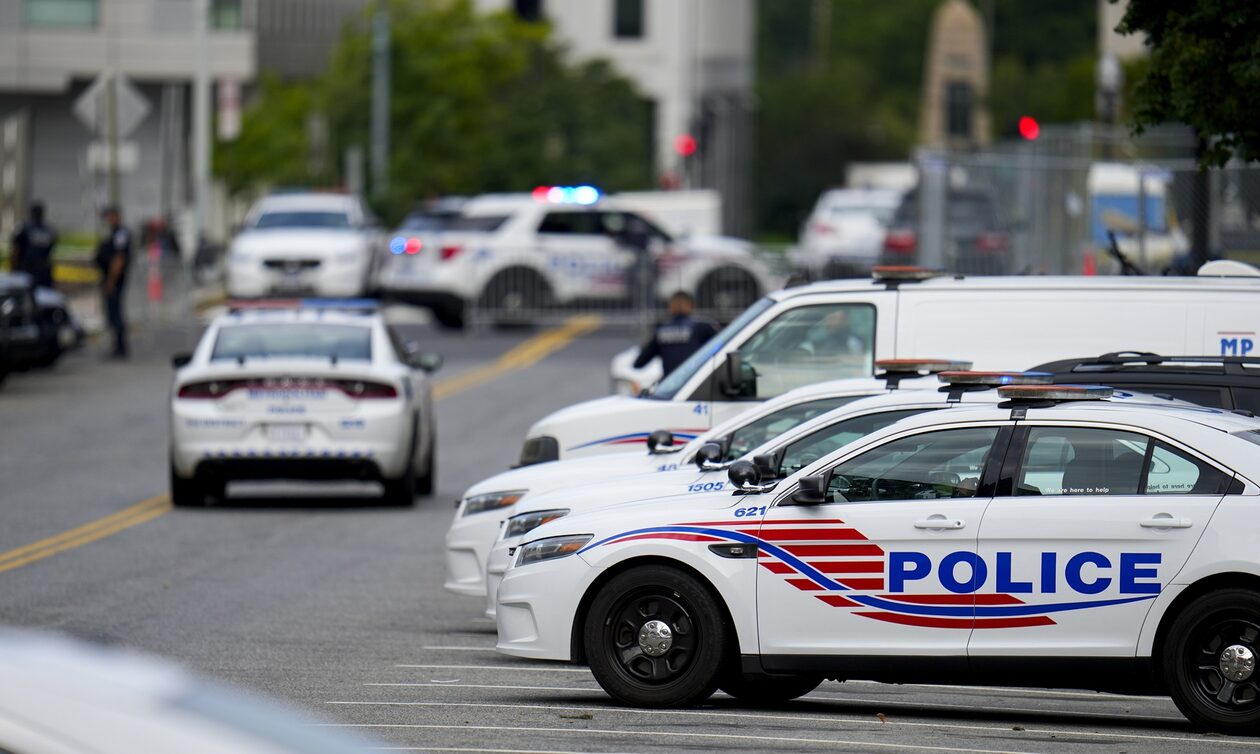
[1038,542]
[672,456]
[776,454]
[514,254]
[302,390]
[314,244]
[838,329]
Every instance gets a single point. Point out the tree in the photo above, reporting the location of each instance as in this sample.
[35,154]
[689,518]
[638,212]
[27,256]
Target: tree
[273,144]
[1204,71]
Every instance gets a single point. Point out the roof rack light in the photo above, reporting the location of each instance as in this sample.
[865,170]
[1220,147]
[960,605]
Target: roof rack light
[1055,392]
[995,379]
[902,272]
[919,366]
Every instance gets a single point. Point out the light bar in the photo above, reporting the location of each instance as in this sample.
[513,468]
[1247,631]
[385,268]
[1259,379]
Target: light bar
[293,304]
[996,379]
[915,366]
[409,245]
[584,195]
[1055,392]
[902,272]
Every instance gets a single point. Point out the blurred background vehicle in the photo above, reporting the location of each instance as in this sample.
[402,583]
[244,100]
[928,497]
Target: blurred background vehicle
[64,696]
[844,234]
[976,239]
[38,324]
[305,243]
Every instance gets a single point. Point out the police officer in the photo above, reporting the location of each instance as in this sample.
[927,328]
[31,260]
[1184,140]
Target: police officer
[33,245]
[678,337]
[113,257]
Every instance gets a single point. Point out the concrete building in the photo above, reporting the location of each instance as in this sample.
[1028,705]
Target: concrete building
[50,53]
[693,60]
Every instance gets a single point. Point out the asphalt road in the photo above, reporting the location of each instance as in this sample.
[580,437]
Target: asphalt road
[334,603]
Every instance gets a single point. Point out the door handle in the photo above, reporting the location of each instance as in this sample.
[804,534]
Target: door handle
[939,522]
[1164,521]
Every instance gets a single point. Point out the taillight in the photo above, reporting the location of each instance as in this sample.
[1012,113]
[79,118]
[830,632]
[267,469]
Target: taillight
[366,390]
[353,388]
[900,241]
[991,242]
[449,251]
[209,390]
[823,229]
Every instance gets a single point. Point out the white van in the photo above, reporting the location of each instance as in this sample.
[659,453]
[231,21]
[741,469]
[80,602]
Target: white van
[831,330]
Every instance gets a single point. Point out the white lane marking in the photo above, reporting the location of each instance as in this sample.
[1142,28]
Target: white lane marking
[820,718]
[487,686]
[1012,690]
[492,650]
[827,698]
[671,734]
[539,668]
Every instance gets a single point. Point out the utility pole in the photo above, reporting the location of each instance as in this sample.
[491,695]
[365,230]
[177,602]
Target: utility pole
[201,127]
[380,100]
[111,138]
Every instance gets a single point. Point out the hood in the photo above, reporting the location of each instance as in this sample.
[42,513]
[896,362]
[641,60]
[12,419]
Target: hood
[597,408]
[295,243]
[658,511]
[718,245]
[544,477]
[639,489]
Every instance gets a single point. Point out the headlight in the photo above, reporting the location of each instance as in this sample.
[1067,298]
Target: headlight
[491,501]
[551,548]
[527,522]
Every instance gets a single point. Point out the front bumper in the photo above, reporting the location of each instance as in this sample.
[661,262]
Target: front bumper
[468,544]
[537,605]
[496,565]
[333,279]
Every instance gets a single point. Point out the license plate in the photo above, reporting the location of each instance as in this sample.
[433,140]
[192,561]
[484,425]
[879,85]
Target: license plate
[286,432]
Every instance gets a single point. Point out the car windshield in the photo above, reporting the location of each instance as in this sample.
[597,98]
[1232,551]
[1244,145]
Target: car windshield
[302,219]
[293,340]
[667,388]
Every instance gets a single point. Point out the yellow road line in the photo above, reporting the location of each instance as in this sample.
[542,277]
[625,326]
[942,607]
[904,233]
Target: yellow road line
[522,356]
[75,273]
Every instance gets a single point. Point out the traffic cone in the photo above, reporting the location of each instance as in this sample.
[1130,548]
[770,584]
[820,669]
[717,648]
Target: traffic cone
[1089,265]
[155,271]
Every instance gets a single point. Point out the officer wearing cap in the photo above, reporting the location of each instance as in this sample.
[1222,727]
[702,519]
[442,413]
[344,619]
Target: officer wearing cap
[678,337]
[113,257]
[33,245]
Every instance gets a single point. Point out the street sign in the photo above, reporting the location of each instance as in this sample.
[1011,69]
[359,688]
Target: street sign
[92,108]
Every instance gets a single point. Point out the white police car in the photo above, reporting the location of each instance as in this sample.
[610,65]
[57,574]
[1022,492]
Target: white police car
[514,254]
[1036,542]
[482,510]
[777,455]
[314,244]
[302,390]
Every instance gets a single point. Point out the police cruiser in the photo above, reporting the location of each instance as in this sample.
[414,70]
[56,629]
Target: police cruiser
[514,254]
[838,329]
[482,510]
[777,457]
[302,390]
[1038,542]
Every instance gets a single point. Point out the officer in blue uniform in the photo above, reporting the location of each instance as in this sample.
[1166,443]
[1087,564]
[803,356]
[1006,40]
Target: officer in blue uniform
[113,257]
[678,337]
[33,245]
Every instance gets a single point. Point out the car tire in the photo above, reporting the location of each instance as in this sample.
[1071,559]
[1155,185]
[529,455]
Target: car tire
[187,493]
[448,316]
[402,491]
[425,481]
[1216,688]
[698,642]
[726,292]
[768,689]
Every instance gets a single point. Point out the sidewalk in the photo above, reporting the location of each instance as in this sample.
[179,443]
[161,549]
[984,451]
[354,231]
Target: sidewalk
[173,297]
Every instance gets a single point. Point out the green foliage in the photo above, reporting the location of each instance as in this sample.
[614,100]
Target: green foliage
[480,103]
[272,145]
[1204,69]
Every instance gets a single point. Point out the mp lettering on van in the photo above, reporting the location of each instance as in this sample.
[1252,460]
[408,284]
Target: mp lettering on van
[1237,342]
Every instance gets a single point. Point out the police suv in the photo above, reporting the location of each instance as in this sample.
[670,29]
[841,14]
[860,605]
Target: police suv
[480,513]
[514,254]
[302,390]
[1041,541]
[838,329]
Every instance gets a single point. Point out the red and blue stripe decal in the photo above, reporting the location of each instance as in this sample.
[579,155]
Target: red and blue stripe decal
[839,566]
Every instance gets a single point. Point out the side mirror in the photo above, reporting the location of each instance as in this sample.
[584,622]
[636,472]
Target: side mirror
[660,438]
[767,465]
[426,361]
[709,457]
[181,360]
[745,476]
[738,379]
[812,490]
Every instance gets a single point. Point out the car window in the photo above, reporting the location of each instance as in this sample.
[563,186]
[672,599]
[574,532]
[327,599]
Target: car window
[810,344]
[770,426]
[822,442]
[293,340]
[476,223]
[302,219]
[928,466]
[570,223]
[1174,473]
[1081,461]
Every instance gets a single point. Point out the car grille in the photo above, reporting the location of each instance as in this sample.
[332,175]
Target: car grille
[291,265]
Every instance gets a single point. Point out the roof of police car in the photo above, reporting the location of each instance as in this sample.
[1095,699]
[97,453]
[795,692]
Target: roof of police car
[297,315]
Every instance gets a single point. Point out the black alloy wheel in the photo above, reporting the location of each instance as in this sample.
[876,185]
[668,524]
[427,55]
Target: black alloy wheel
[1210,658]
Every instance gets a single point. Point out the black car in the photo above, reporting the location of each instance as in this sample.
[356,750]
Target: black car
[1228,382]
[36,324]
[976,239]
